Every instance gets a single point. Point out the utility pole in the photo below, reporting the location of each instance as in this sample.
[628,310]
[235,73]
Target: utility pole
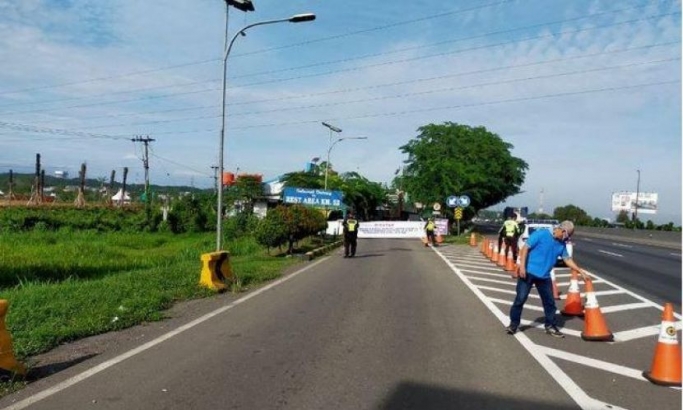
[145,161]
[110,188]
[36,198]
[635,208]
[215,178]
[11,196]
[123,186]
[80,198]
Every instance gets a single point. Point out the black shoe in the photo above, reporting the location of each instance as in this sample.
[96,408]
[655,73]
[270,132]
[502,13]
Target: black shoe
[554,331]
[511,330]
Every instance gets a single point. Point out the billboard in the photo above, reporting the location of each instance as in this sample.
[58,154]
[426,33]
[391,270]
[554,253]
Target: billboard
[312,197]
[626,201]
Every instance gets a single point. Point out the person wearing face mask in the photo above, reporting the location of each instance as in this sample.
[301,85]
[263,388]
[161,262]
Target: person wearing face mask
[537,259]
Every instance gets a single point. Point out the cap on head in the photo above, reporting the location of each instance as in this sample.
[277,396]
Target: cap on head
[567,226]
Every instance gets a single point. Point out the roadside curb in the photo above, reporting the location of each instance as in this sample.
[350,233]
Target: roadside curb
[322,250]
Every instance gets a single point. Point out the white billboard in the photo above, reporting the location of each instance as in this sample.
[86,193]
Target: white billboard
[626,201]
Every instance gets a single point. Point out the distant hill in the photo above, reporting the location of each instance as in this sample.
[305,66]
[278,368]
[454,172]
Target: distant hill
[24,182]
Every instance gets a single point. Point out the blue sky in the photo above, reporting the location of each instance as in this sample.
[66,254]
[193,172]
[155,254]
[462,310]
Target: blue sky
[587,91]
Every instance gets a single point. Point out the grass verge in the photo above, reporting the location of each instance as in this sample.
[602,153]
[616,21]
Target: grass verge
[65,287]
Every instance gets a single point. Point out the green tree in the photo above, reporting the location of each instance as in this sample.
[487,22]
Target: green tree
[363,195]
[452,158]
[572,213]
[623,217]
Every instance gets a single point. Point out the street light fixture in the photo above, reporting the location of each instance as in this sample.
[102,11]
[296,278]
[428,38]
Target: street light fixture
[332,129]
[635,209]
[297,18]
[330,150]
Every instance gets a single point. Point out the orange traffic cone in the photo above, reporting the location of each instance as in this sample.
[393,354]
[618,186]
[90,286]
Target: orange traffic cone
[572,305]
[501,258]
[594,326]
[8,363]
[425,241]
[439,238]
[510,263]
[484,245]
[666,365]
[556,292]
[494,255]
[473,239]
[489,250]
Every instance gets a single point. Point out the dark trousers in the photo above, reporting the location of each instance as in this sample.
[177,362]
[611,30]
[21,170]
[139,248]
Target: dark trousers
[545,291]
[511,243]
[350,242]
[431,238]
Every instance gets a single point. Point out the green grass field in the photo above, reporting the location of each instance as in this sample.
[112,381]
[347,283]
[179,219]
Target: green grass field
[62,286]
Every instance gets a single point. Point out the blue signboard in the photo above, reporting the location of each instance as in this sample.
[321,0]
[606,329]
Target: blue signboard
[312,197]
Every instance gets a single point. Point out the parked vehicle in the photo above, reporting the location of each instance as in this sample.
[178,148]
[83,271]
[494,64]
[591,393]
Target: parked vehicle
[531,225]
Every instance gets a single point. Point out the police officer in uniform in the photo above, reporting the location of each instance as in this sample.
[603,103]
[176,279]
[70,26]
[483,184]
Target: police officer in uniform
[350,225]
[430,228]
[510,233]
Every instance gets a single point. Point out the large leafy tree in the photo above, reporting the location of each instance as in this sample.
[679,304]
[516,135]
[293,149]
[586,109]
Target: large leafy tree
[363,195]
[572,213]
[450,159]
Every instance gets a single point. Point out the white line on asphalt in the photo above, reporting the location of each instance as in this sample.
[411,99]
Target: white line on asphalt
[628,306]
[118,359]
[509,292]
[498,274]
[597,364]
[610,253]
[580,282]
[584,401]
[675,254]
[502,282]
[647,331]
[622,245]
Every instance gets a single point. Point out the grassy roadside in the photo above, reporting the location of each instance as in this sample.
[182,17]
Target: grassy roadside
[66,286]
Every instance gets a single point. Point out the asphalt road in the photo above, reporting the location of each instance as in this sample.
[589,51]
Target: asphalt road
[392,328]
[652,271]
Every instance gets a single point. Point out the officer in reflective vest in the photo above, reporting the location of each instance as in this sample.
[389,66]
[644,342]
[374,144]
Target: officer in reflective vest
[350,225]
[510,232]
[430,228]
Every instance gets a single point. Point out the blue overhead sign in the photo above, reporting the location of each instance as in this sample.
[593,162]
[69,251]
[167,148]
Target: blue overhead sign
[312,197]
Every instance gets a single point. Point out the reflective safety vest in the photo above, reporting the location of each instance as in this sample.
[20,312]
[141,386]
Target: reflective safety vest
[431,225]
[351,225]
[510,228]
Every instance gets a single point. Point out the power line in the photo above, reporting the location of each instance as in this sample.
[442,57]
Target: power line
[404,95]
[512,100]
[342,61]
[154,70]
[369,87]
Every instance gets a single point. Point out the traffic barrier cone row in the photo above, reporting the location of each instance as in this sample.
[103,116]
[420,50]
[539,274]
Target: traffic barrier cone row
[510,265]
[572,305]
[494,255]
[594,326]
[501,258]
[473,239]
[484,246]
[556,292]
[8,363]
[666,364]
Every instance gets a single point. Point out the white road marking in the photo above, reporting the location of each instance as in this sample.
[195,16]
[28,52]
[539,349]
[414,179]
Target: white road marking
[620,308]
[583,400]
[675,254]
[597,364]
[118,359]
[622,245]
[639,333]
[610,253]
[502,282]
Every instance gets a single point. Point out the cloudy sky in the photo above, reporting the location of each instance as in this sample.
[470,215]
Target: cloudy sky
[587,91]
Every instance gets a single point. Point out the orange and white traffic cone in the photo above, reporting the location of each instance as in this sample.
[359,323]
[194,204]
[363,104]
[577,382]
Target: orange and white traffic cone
[594,326]
[473,239]
[494,255]
[8,363]
[510,265]
[439,238]
[502,258]
[666,365]
[556,292]
[572,305]
[484,246]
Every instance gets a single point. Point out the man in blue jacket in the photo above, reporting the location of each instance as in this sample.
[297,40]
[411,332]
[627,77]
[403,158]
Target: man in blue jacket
[537,259]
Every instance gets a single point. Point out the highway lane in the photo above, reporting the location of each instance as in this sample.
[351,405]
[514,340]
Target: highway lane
[392,328]
[652,271]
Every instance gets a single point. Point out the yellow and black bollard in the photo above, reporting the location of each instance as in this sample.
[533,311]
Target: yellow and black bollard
[8,363]
[216,270]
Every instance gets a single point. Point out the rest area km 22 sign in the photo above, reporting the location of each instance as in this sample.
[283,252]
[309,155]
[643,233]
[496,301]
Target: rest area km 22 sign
[455,201]
[312,197]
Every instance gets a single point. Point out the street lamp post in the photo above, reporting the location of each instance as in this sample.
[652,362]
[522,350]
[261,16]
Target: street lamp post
[297,18]
[330,150]
[332,129]
[635,208]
